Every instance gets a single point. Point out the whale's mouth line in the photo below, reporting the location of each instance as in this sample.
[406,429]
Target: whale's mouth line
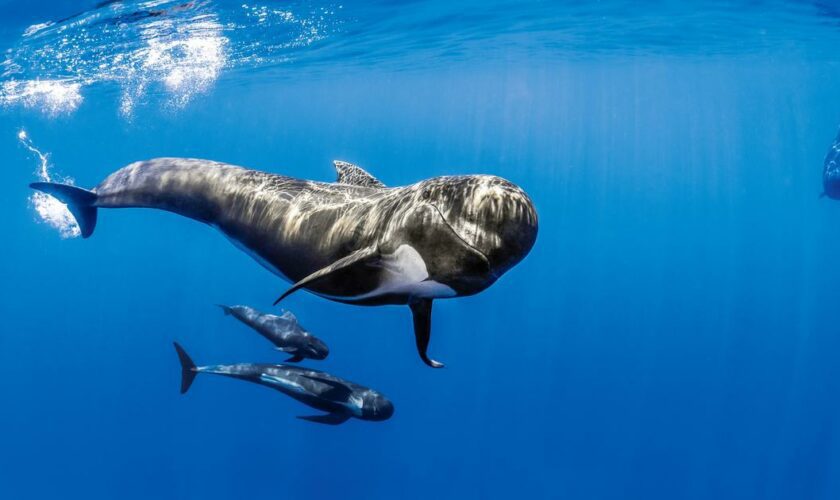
[460,237]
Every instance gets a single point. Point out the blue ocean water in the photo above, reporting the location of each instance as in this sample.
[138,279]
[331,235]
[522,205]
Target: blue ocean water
[672,335]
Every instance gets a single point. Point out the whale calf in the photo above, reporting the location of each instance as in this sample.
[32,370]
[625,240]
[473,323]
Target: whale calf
[283,331]
[354,241]
[340,399]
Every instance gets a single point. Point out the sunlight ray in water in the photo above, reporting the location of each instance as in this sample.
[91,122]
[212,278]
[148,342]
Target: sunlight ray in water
[49,210]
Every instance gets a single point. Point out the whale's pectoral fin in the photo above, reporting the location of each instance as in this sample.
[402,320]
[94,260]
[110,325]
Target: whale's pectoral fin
[355,175]
[336,392]
[294,359]
[422,312]
[363,257]
[329,418]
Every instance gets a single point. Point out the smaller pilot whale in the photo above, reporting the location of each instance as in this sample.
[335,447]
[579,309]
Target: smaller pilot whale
[283,331]
[831,171]
[339,398]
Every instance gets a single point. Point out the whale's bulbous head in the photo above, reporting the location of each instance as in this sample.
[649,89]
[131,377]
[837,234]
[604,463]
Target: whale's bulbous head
[376,407]
[492,215]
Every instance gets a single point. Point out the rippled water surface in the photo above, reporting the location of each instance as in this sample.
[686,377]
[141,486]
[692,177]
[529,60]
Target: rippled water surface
[180,49]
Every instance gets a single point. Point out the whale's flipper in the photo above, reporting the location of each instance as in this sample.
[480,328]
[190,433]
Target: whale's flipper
[294,359]
[337,391]
[421,309]
[79,201]
[226,309]
[365,256]
[188,369]
[329,418]
[355,175]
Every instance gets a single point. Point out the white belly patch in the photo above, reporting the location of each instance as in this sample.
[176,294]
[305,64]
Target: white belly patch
[404,273]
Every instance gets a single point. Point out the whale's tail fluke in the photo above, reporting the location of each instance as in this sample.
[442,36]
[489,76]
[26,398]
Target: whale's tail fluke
[188,368]
[227,310]
[79,201]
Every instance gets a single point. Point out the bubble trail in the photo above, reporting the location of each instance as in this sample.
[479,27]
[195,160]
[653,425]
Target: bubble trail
[49,210]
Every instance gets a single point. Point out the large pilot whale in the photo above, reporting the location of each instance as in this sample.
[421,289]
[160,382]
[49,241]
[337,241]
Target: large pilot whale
[354,241]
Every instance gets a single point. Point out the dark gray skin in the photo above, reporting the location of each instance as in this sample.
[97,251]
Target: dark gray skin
[353,241]
[831,171]
[339,398]
[283,331]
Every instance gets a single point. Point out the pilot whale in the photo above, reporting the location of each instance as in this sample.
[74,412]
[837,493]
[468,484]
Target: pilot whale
[340,398]
[284,331]
[353,241]
[831,171]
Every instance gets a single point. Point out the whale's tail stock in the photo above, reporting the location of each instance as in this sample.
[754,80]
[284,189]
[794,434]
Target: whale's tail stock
[188,368]
[79,201]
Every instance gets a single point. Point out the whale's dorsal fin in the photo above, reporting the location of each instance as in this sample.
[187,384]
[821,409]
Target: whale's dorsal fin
[288,316]
[366,256]
[355,176]
[285,320]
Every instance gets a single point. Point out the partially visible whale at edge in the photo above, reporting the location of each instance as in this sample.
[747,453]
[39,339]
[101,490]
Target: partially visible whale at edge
[283,331]
[340,399]
[831,171]
[353,241]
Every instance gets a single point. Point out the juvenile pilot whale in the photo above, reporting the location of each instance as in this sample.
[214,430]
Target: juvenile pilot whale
[353,241]
[283,331]
[339,398]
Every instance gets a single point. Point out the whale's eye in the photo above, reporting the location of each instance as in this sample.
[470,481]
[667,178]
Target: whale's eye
[426,194]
